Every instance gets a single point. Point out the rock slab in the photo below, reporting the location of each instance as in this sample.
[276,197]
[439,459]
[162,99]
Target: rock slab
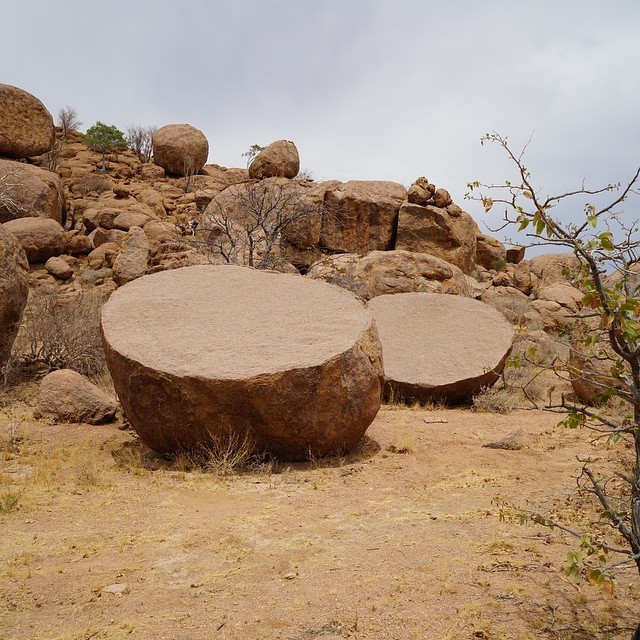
[438,346]
[293,364]
[14,289]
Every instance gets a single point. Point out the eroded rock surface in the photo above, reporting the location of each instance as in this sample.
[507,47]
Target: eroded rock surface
[26,126]
[440,346]
[386,272]
[14,289]
[291,363]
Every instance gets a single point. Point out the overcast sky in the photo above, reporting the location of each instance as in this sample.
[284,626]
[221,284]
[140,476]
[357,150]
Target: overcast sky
[367,89]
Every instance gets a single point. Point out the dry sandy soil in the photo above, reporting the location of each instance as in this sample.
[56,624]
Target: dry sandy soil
[399,540]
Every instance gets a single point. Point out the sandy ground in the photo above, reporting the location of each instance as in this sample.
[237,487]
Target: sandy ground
[400,540]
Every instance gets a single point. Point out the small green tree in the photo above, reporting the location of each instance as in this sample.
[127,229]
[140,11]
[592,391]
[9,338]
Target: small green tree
[252,152]
[608,251]
[103,138]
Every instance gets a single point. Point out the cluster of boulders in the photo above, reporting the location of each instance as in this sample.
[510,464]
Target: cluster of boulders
[72,225]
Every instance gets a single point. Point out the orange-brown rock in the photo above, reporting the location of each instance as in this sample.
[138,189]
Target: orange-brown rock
[40,238]
[450,235]
[361,216]
[66,396]
[279,160]
[549,267]
[291,363]
[385,272]
[490,253]
[14,288]
[438,346]
[30,192]
[133,259]
[26,127]
[59,268]
[180,149]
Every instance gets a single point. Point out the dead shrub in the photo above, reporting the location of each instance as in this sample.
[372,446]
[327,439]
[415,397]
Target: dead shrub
[529,376]
[91,183]
[61,331]
[228,453]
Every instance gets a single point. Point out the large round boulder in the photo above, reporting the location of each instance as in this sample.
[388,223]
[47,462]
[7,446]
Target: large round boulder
[279,160]
[438,346]
[26,127]
[180,149]
[40,238]
[292,366]
[29,191]
[14,289]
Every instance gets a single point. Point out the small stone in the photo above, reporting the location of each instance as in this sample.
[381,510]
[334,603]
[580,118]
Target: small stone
[117,589]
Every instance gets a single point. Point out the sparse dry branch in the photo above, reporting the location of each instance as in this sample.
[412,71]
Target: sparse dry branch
[140,140]
[8,202]
[244,225]
[603,245]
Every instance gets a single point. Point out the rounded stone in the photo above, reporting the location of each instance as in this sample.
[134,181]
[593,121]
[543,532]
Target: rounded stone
[180,149]
[200,353]
[26,126]
[439,346]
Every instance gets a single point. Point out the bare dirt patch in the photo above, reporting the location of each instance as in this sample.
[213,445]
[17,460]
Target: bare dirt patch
[400,540]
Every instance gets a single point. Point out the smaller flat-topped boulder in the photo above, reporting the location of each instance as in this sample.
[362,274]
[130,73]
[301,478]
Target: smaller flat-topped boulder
[293,365]
[438,346]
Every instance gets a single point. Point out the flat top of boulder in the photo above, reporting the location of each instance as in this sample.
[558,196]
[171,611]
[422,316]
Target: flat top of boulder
[436,339]
[229,322]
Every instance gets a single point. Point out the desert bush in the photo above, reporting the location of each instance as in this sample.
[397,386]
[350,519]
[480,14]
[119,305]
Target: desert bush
[105,139]
[8,182]
[140,140]
[68,120]
[245,224]
[223,454]
[91,183]
[62,331]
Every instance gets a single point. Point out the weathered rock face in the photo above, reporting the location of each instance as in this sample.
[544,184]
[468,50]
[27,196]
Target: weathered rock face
[14,289]
[438,346]
[292,363]
[30,192]
[180,149]
[554,307]
[133,259]
[549,267]
[590,367]
[448,233]
[279,160]
[26,127]
[386,272]
[490,253]
[361,216]
[41,238]
[67,396]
